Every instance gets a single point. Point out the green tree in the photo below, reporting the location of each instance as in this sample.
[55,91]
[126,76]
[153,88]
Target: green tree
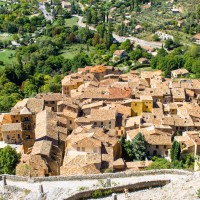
[127,149]
[126,45]
[8,160]
[139,147]
[175,151]
[113,48]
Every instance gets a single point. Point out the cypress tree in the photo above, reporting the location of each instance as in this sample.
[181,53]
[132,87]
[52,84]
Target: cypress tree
[175,151]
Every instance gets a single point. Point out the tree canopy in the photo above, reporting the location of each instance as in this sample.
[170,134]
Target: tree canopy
[8,160]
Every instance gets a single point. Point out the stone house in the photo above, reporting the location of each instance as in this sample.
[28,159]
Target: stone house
[183,123]
[100,154]
[66,5]
[178,73]
[12,133]
[71,82]
[70,111]
[28,128]
[32,166]
[178,94]
[99,72]
[51,99]
[190,143]
[86,108]
[120,54]
[8,118]
[143,61]
[133,123]
[158,142]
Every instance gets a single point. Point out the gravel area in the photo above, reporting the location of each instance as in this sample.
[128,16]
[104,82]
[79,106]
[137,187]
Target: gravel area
[181,187]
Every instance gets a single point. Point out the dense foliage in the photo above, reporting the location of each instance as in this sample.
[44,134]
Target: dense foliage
[186,162]
[8,160]
[135,149]
[182,57]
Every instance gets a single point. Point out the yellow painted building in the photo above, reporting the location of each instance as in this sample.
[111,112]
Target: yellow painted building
[136,107]
[72,85]
[144,104]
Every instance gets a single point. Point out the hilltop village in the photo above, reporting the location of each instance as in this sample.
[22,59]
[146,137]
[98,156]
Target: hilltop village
[79,131]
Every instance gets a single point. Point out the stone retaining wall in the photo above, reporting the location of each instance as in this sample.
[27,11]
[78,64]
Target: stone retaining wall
[99,176]
[117,189]
[15,178]
[110,175]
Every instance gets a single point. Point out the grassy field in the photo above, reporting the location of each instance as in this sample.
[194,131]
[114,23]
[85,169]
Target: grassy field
[72,50]
[71,21]
[7,56]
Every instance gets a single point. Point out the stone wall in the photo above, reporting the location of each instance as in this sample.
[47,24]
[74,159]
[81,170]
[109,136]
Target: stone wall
[117,189]
[111,175]
[16,178]
[98,176]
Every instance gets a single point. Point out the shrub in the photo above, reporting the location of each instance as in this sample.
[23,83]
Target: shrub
[160,163]
[99,193]
[198,192]
[96,194]
[107,192]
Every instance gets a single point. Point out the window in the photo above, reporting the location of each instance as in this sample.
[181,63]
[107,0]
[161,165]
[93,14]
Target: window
[8,137]
[28,137]
[16,121]
[109,122]
[78,149]
[154,152]
[157,146]
[83,148]
[164,146]
[18,136]
[95,123]
[166,153]
[101,123]
[146,106]
[70,122]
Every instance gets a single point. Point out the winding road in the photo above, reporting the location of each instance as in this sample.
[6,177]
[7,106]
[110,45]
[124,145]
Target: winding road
[122,38]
